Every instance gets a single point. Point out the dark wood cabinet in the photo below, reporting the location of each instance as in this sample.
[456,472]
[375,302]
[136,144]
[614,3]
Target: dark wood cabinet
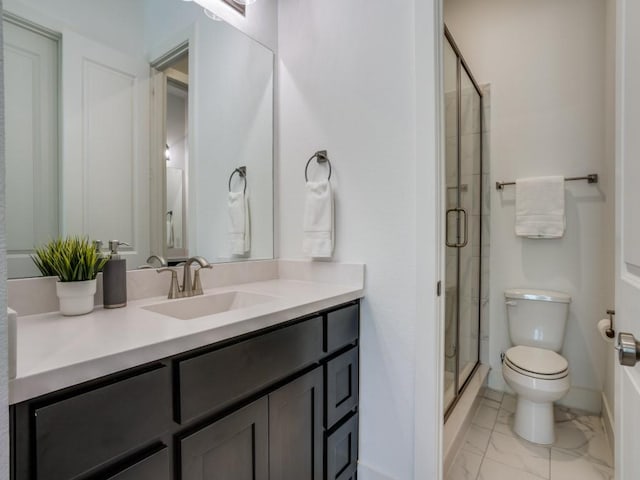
[235,447]
[77,434]
[295,429]
[278,404]
[152,467]
[341,386]
[245,368]
[342,450]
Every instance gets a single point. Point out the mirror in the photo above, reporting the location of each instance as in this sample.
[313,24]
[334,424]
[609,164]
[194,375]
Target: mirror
[126,119]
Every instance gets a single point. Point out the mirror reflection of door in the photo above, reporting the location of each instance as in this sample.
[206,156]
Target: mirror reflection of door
[31,112]
[172,78]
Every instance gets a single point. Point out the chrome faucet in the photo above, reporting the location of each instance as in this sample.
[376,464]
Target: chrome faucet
[189,288]
[154,258]
[161,260]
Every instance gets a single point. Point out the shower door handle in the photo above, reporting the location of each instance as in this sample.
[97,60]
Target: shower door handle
[466,229]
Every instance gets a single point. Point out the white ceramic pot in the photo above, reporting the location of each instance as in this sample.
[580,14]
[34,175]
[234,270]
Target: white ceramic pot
[76,298]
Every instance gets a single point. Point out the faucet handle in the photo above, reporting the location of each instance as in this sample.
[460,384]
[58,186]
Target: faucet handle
[174,288]
[197,283]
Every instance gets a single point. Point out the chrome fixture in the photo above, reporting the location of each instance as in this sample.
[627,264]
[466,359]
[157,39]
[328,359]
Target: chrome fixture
[610,332]
[628,350]
[242,172]
[321,157]
[174,288]
[149,263]
[159,258]
[591,178]
[189,287]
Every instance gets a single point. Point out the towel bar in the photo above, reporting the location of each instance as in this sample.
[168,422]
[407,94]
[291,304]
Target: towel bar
[242,171]
[321,156]
[591,178]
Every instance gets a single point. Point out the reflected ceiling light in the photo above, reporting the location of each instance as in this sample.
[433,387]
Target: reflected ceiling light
[244,2]
[210,14]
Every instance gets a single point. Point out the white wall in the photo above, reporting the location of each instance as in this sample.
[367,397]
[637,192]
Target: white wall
[545,61]
[4,378]
[348,83]
[259,22]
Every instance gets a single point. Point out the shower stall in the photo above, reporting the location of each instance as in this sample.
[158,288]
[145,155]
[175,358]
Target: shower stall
[463,222]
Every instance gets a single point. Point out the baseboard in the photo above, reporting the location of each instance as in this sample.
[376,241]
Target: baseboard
[608,421]
[366,472]
[584,399]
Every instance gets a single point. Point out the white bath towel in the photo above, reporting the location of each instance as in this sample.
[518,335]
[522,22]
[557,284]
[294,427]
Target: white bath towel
[318,222]
[239,223]
[540,207]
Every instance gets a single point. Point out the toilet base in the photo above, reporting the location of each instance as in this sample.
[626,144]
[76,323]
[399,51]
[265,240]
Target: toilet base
[535,421]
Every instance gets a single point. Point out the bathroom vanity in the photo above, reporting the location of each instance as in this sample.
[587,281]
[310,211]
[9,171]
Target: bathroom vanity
[274,402]
[272,393]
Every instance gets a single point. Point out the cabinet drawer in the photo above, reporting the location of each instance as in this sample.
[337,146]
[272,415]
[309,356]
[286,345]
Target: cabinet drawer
[341,387]
[342,451]
[85,431]
[342,327]
[154,467]
[215,380]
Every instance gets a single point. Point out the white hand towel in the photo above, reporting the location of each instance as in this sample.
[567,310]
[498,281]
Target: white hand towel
[239,223]
[318,222]
[540,207]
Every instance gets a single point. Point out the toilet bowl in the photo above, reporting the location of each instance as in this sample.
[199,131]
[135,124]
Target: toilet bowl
[539,377]
[533,368]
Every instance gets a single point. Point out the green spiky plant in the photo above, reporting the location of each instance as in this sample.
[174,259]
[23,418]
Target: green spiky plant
[71,259]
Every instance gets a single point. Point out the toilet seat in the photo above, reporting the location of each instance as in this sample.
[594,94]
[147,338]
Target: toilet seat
[536,362]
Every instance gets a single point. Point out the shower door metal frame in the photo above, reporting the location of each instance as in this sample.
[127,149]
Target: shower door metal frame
[462,64]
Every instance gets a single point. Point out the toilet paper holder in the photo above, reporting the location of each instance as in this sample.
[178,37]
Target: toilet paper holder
[610,332]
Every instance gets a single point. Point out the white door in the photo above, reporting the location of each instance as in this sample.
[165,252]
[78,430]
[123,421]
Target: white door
[628,233]
[31,120]
[105,145]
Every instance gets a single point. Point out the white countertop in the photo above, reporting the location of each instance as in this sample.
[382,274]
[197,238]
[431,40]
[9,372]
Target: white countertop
[55,352]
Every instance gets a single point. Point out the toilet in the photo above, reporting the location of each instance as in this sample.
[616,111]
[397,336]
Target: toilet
[533,367]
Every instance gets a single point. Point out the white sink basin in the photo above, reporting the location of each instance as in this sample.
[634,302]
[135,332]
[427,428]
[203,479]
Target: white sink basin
[203,305]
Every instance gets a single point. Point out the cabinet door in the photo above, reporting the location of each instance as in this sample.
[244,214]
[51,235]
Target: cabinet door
[233,448]
[342,451]
[295,429]
[341,386]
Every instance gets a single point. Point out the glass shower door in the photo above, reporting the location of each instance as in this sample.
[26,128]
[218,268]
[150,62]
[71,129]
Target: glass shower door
[463,220]
[470,202]
[451,258]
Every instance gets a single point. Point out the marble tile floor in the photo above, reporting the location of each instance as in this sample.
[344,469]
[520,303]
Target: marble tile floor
[491,451]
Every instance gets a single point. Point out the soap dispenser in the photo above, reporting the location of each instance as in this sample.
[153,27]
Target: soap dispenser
[114,278]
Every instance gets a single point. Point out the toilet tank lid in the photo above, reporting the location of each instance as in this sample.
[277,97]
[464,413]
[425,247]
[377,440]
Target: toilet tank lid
[542,295]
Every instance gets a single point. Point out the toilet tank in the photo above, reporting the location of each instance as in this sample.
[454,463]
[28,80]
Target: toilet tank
[537,318]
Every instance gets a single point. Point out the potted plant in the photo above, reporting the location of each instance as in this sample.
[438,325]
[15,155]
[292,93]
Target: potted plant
[76,262]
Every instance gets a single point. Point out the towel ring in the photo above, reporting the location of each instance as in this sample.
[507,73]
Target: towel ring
[242,171]
[321,156]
